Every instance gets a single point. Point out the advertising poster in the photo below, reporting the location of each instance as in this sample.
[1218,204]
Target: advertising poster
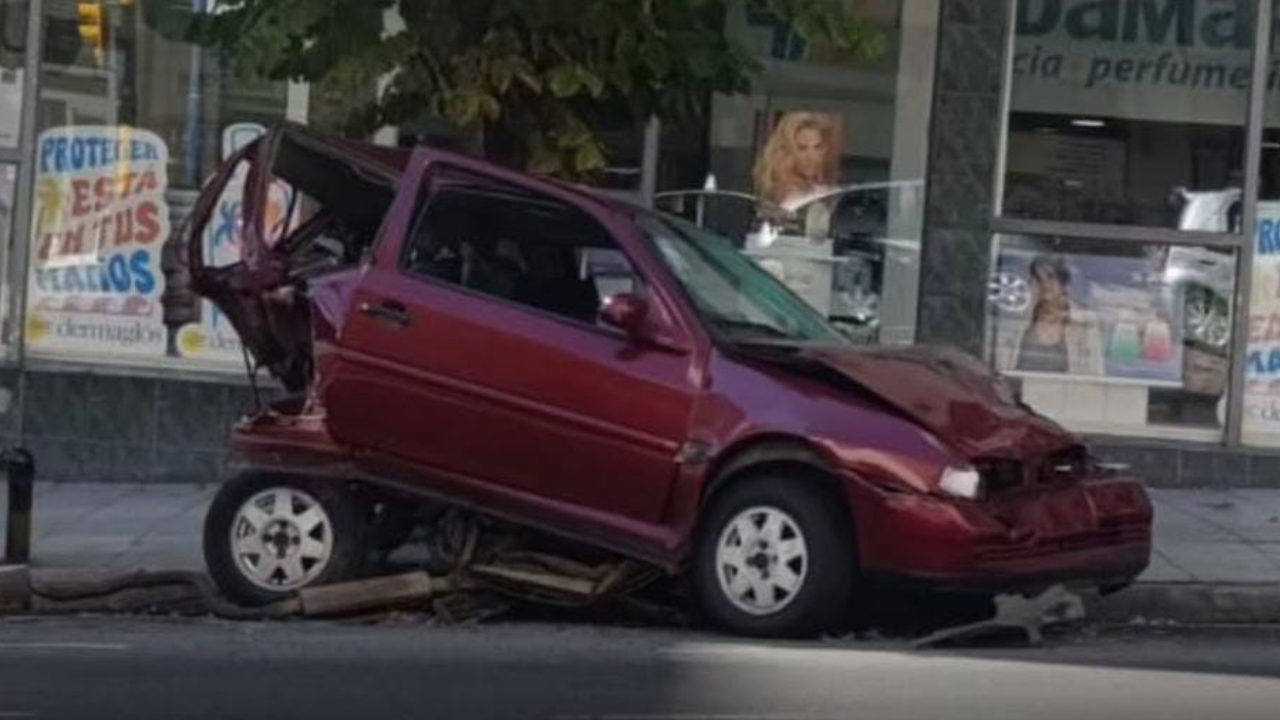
[100,219]
[1262,365]
[800,160]
[822,237]
[1086,315]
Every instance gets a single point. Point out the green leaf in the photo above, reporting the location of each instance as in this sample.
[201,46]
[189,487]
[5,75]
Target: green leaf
[490,108]
[501,73]
[564,81]
[589,158]
[545,162]
[530,81]
[592,81]
[463,108]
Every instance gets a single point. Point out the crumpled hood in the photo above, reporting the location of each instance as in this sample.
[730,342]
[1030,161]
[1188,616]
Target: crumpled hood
[951,394]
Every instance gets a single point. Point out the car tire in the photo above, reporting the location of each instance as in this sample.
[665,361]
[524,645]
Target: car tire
[747,551]
[266,536]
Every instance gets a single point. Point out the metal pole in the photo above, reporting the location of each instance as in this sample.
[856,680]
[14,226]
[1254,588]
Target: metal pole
[21,239]
[195,107]
[20,469]
[649,160]
[1248,249]
[17,464]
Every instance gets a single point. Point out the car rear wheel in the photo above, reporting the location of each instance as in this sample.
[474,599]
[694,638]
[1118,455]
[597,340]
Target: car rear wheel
[268,536]
[774,558]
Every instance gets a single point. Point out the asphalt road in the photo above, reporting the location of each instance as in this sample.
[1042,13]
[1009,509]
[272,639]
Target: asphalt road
[176,669]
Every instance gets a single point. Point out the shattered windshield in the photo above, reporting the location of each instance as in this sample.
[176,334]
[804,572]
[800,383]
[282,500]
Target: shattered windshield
[736,298]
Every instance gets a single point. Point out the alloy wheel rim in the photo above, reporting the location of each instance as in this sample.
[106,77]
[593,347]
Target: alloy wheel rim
[1009,292]
[281,539]
[761,560]
[1208,324]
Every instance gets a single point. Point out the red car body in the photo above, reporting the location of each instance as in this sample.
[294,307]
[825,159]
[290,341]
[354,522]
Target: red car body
[618,440]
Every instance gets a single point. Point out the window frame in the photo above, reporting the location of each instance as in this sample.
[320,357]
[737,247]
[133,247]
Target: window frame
[425,195]
[1241,243]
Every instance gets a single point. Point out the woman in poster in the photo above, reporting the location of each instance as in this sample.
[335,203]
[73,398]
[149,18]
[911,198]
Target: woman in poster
[800,162]
[1060,337]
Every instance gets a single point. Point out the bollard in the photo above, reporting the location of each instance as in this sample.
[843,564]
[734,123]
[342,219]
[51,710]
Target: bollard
[20,469]
[15,588]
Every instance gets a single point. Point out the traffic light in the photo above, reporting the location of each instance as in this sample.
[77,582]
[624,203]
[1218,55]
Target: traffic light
[93,28]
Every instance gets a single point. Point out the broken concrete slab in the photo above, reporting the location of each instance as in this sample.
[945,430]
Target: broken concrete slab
[407,589]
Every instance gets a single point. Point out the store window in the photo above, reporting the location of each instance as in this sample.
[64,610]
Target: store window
[818,173]
[1111,337]
[1132,114]
[129,125]
[1126,112]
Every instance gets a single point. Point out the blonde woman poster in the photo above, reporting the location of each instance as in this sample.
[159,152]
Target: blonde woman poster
[799,162]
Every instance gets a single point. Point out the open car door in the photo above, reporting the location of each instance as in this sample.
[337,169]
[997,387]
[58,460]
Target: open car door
[337,193]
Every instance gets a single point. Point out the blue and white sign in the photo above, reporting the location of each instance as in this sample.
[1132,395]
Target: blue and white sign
[1262,364]
[98,223]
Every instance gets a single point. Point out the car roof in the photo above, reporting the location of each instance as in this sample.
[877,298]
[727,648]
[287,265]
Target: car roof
[397,159]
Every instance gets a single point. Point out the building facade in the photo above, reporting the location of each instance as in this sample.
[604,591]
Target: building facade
[1085,193]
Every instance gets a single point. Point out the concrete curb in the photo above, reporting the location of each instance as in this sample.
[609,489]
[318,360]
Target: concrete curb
[1190,603]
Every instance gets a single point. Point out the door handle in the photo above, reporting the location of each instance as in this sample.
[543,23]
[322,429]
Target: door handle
[388,311]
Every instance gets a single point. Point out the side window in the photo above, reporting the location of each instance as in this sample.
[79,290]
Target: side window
[500,240]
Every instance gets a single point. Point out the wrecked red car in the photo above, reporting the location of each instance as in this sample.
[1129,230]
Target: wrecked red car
[543,355]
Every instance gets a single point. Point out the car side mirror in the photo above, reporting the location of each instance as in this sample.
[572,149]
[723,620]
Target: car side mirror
[625,311]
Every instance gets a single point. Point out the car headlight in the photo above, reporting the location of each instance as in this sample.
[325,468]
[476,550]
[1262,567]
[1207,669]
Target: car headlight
[962,482]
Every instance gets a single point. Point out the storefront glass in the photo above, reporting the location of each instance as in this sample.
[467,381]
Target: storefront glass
[1120,338]
[1121,112]
[1127,139]
[818,173]
[129,125]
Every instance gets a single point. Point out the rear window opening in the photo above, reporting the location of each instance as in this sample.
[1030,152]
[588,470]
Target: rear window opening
[497,240]
[335,206]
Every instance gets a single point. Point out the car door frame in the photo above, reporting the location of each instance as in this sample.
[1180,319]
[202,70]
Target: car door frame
[681,333]
[687,333]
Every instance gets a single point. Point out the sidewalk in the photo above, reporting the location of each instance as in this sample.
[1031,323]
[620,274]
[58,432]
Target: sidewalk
[116,527]
[1217,554]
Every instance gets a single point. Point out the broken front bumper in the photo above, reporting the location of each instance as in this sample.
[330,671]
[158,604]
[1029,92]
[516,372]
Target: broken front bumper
[1095,532]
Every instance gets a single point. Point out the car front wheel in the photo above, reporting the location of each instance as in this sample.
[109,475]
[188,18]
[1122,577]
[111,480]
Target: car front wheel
[268,536]
[774,558]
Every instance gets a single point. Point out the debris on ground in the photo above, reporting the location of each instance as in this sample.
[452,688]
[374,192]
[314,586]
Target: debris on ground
[1029,615]
[487,575]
